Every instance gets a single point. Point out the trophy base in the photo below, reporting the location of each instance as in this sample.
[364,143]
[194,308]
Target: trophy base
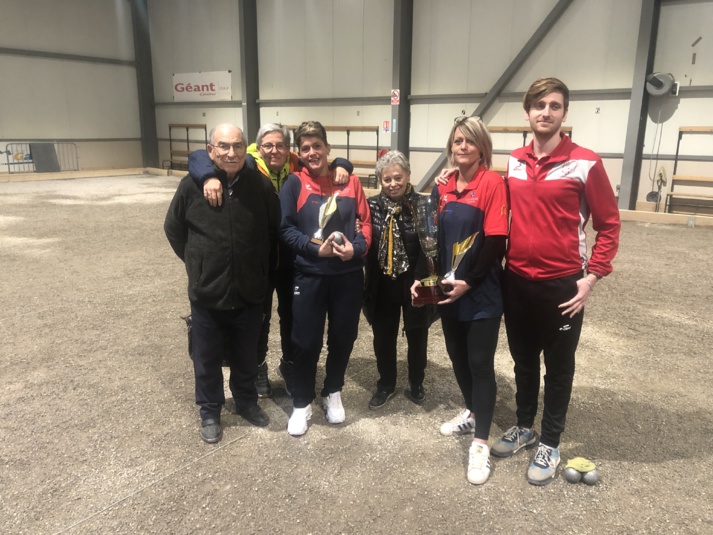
[317,241]
[427,295]
[444,286]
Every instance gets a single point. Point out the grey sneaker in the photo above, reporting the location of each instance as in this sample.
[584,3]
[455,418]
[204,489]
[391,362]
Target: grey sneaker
[262,383]
[513,441]
[543,467]
[462,424]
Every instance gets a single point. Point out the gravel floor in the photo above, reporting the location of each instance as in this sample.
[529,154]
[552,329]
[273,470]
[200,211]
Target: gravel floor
[99,430]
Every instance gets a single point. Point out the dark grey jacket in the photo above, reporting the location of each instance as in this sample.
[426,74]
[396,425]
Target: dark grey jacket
[227,250]
[378,286]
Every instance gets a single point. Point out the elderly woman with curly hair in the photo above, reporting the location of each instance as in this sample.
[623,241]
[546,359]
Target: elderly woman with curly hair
[390,268]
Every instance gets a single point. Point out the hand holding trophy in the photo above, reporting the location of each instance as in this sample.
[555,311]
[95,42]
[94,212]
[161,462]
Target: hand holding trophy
[459,250]
[325,213]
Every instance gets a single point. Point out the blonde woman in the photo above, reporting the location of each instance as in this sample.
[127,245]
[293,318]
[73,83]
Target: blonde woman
[473,201]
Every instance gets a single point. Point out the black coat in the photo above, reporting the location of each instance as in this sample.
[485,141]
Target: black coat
[227,249]
[377,285]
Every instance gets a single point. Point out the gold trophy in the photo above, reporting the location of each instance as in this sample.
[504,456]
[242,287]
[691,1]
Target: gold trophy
[459,250]
[326,211]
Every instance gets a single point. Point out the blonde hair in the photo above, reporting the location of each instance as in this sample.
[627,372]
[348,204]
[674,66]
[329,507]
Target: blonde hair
[474,131]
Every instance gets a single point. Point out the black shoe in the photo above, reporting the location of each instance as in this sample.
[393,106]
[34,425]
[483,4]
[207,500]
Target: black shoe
[416,394]
[253,414]
[380,398]
[262,383]
[211,431]
[285,370]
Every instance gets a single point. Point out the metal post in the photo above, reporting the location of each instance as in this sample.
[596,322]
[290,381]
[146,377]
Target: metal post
[678,146]
[144,82]
[249,75]
[401,75]
[639,104]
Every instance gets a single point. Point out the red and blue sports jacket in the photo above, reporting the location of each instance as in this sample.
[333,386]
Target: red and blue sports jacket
[481,207]
[300,199]
[551,200]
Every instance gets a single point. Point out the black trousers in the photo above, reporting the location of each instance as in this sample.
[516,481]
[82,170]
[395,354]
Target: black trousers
[385,326]
[471,347]
[283,288]
[212,332]
[316,298]
[536,325]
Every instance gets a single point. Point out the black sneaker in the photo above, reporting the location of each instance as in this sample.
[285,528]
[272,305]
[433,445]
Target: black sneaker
[285,370]
[211,431]
[262,383]
[380,398]
[416,394]
[253,414]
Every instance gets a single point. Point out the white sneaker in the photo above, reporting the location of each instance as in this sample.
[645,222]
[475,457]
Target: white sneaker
[334,408]
[460,425]
[478,463]
[297,425]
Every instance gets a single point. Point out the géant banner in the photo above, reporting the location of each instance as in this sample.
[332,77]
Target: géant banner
[202,86]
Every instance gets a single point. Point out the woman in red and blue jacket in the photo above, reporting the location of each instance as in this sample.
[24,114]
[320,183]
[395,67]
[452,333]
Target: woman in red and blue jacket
[329,276]
[472,202]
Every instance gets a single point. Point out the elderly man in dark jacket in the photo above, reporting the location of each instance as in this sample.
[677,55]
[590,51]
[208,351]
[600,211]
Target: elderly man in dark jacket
[227,253]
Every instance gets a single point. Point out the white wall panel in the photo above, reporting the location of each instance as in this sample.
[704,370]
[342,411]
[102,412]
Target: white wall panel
[463,46]
[431,123]
[193,36]
[324,49]
[681,26]
[282,48]
[48,99]
[677,113]
[592,46]
[100,28]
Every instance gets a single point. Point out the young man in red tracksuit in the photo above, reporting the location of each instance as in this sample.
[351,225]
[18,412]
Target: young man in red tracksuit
[555,187]
[328,279]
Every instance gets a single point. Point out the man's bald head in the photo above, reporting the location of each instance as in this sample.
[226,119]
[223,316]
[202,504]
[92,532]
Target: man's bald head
[227,148]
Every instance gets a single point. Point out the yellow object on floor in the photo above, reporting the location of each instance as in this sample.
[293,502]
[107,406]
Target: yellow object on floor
[580,464]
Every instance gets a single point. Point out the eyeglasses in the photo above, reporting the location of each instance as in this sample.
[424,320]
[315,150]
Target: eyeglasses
[462,118]
[224,148]
[269,147]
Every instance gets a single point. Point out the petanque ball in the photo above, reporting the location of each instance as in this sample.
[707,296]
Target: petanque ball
[591,477]
[338,238]
[572,475]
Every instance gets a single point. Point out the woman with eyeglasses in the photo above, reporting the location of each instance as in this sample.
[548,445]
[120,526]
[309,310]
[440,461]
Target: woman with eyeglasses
[389,273]
[472,205]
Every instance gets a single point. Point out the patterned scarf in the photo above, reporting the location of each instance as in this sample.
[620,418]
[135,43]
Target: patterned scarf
[393,260]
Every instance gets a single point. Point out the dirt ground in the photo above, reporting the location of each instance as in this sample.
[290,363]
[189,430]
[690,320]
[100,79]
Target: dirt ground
[99,431]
